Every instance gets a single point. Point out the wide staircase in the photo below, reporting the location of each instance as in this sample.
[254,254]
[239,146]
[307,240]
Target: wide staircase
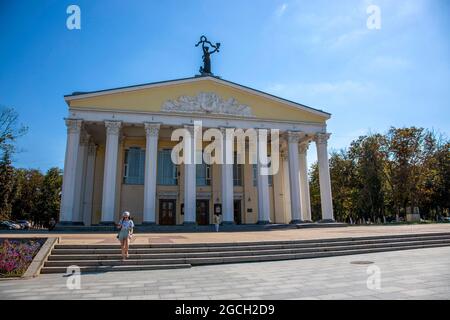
[100,258]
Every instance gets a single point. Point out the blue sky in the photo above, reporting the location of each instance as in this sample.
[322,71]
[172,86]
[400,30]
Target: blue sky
[319,53]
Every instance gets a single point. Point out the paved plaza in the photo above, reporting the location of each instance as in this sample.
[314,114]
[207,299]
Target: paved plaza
[411,274]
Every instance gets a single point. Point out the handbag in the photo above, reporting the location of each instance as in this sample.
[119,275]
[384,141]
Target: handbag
[120,228]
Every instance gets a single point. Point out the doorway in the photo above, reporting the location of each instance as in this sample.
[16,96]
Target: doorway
[167,212]
[202,212]
[237,212]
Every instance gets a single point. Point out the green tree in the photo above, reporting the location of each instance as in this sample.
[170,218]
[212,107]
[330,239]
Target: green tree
[314,190]
[342,173]
[50,195]
[10,130]
[434,187]
[407,152]
[369,160]
[441,195]
[6,186]
[382,175]
[29,185]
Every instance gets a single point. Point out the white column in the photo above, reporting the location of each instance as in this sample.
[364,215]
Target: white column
[110,171]
[286,191]
[70,166]
[190,186]
[227,178]
[89,184]
[304,184]
[77,216]
[324,177]
[294,183]
[151,155]
[263,191]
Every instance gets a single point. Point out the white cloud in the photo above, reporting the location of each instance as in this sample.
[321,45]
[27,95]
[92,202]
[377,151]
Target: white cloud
[343,95]
[348,38]
[320,88]
[388,62]
[279,12]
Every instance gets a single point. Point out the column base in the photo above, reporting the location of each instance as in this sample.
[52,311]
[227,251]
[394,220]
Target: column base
[148,223]
[327,221]
[69,223]
[190,224]
[263,222]
[107,223]
[228,223]
[296,221]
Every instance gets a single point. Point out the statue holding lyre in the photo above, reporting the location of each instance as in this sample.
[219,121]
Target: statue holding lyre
[206,69]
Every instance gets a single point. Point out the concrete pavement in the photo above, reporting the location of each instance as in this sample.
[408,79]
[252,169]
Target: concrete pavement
[412,274]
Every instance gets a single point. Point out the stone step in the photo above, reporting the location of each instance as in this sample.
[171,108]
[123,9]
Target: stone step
[102,258]
[243,244]
[137,250]
[141,254]
[255,243]
[102,268]
[96,266]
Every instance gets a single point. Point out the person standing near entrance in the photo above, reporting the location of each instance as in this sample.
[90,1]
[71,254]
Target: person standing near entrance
[217,221]
[126,226]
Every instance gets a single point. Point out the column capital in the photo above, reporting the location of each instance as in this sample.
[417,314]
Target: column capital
[303,147]
[295,136]
[190,128]
[152,129]
[92,148]
[224,129]
[84,138]
[322,138]
[113,127]
[74,125]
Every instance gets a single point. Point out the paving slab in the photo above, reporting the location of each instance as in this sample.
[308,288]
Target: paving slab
[325,278]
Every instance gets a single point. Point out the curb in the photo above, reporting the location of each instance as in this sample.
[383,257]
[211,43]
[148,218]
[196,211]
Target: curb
[34,269]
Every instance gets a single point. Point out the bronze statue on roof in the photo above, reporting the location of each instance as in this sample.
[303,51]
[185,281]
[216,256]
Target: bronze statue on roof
[206,69]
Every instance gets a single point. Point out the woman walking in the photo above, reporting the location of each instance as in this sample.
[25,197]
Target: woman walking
[126,226]
[217,222]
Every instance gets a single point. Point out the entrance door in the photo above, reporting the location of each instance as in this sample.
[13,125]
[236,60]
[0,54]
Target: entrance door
[202,212]
[167,212]
[237,212]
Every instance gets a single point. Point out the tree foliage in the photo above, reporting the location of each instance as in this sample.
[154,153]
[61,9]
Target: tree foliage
[24,193]
[384,175]
[36,195]
[10,130]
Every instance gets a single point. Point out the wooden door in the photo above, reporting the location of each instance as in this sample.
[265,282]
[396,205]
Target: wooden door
[202,212]
[167,212]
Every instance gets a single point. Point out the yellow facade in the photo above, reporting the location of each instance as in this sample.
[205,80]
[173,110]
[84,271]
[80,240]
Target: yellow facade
[147,100]
[132,196]
[151,100]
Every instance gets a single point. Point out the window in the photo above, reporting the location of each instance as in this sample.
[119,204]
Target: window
[167,171]
[203,174]
[255,176]
[237,172]
[134,166]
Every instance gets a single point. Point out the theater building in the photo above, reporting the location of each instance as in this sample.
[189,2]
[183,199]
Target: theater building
[118,156]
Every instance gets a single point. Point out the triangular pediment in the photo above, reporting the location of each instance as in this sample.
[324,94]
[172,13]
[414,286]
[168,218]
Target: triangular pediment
[201,95]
